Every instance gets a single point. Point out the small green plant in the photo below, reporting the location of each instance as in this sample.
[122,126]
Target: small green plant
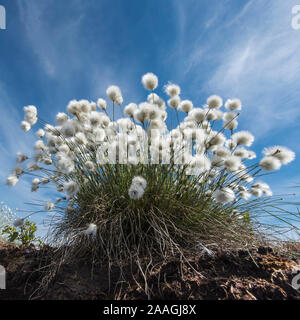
[24,234]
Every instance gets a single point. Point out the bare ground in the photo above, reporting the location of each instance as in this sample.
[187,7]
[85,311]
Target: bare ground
[225,276]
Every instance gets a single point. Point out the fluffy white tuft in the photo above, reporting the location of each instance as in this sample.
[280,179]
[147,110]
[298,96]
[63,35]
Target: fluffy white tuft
[130,109]
[243,137]
[114,93]
[214,102]
[234,104]
[172,90]
[91,230]
[224,195]
[135,192]
[283,154]
[101,104]
[138,180]
[186,106]
[25,126]
[270,163]
[71,188]
[150,81]
[12,180]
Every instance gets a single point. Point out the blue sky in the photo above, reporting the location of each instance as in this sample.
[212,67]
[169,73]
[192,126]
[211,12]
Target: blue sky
[55,51]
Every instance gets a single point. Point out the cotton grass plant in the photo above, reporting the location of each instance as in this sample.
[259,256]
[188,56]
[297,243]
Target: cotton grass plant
[132,187]
[7,215]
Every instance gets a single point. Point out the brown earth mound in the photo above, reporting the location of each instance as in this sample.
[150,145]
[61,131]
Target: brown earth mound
[226,275]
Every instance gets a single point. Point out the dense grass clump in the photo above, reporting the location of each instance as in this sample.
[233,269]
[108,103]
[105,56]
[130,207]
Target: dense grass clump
[142,188]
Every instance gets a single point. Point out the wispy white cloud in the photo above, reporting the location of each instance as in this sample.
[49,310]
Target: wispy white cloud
[52,44]
[241,14]
[253,55]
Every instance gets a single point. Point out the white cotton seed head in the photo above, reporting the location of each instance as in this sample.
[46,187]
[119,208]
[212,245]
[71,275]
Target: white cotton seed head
[264,187]
[245,195]
[217,161]
[30,114]
[214,102]
[69,129]
[222,152]
[73,107]
[40,133]
[98,135]
[49,206]
[45,180]
[251,155]
[61,118]
[186,106]
[140,116]
[65,165]
[25,126]
[174,102]
[18,170]
[32,166]
[283,154]
[12,180]
[64,148]
[228,116]
[241,153]
[210,114]
[224,195]
[125,125]
[230,144]
[217,138]
[90,165]
[21,157]
[234,104]
[84,106]
[270,163]
[153,98]
[232,163]
[172,90]
[256,192]
[36,181]
[113,93]
[150,81]
[154,112]
[93,106]
[197,114]
[140,181]
[119,100]
[230,125]
[80,138]
[243,137]
[105,121]
[39,145]
[135,192]
[49,128]
[91,230]
[130,109]
[71,188]
[201,162]
[95,118]
[267,192]
[219,114]
[101,104]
